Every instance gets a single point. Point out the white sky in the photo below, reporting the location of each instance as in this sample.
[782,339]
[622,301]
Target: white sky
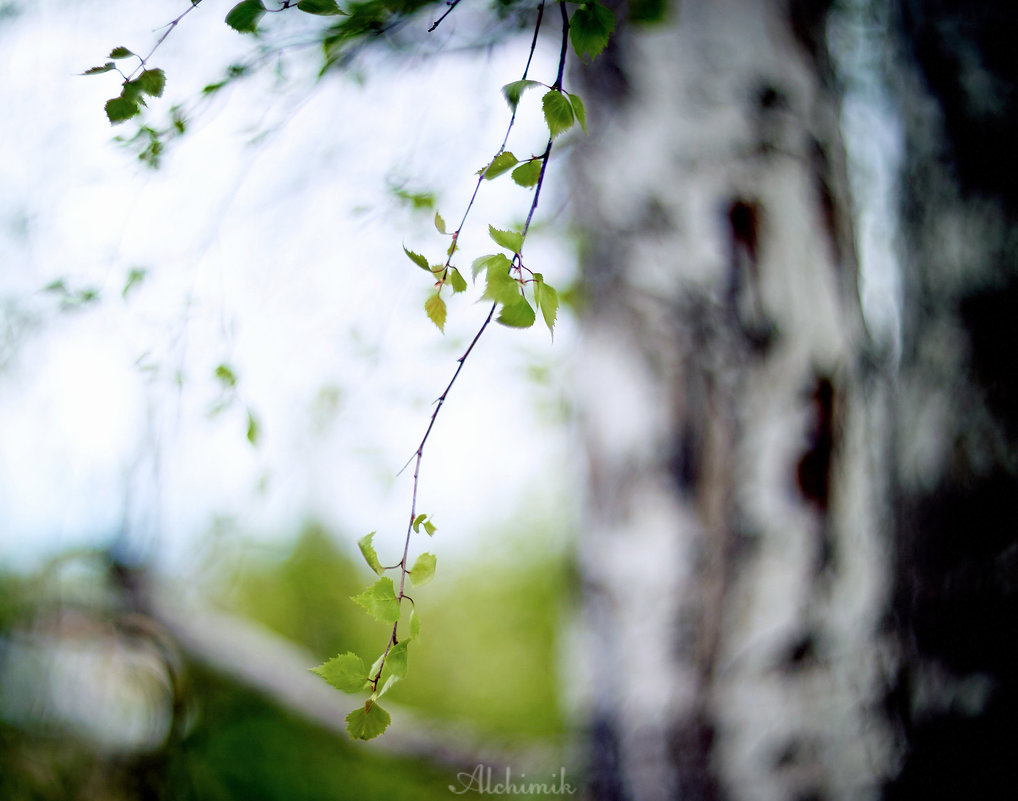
[271,244]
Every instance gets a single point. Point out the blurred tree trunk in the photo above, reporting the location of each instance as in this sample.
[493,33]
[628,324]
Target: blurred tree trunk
[736,564]
[956,406]
[798,585]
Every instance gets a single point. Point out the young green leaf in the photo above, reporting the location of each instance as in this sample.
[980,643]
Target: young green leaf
[415,625]
[546,299]
[579,111]
[244,16]
[500,261]
[368,551]
[379,600]
[513,91]
[226,376]
[417,522]
[367,721]
[417,259]
[376,666]
[134,278]
[152,82]
[558,112]
[435,308]
[503,162]
[500,287]
[423,570]
[510,240]
[254,429]
[120,108]
[120,52]
[387,686]
[109,65]
[439,223]
[430,527]
[590,28]
[518,314]
[324,8]
[396,661]
[344,672]
[529,173]
[459,283]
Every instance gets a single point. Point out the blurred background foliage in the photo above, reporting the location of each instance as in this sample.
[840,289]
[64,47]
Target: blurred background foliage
[99,700]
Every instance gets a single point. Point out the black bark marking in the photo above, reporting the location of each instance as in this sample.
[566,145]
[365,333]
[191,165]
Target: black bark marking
[813,473]
[745,299]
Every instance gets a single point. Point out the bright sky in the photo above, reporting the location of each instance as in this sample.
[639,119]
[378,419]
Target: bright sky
[270,242]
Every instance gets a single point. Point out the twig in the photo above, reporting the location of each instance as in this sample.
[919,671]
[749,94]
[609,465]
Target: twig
[169,29]
[452,4]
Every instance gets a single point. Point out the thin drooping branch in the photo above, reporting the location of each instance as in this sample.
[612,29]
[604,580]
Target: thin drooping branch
[169,29]
[452,4]
[418,456]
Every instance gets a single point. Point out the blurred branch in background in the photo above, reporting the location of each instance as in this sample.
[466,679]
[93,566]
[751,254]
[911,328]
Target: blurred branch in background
[117,683]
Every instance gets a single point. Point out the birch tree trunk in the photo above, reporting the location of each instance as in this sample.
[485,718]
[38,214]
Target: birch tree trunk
[735,561]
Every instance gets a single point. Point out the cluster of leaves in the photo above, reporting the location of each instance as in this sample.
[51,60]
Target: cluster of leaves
[134,89]
[514,289]
[382,600]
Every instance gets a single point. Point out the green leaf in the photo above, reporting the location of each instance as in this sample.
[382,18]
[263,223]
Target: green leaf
[430,527]
[324,8]
[109,65]
[508,239]
[254,429]
[396,661]
[500,261]
[500,286]
[513,91]
[435,307]
[120,108]
[518,314]
[558,112]
[528,174]
[132,92]
[387,686]
[376,668]
[368,550]
[415,625]
[579,111]
[344,672]
[120,52]
[152,82]
[439,223]
[380,600]
[459,283]
[546,299]
[590,28]
[503,162]
[368,721]
[417,522]
[423,570]
[244,16]
[134,277]
[417,259]
[226,376]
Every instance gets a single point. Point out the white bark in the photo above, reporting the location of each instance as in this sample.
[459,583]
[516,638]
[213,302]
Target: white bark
[734,613]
